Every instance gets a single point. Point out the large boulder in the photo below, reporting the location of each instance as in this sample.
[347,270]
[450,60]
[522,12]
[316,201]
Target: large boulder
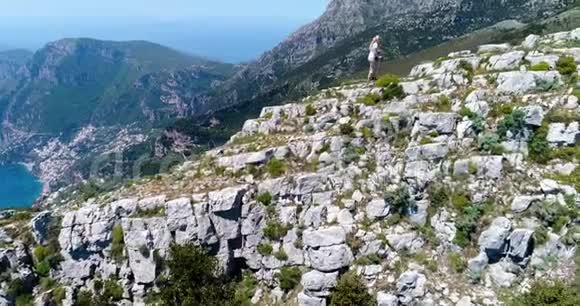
[306,300]
[324,237]
[331,258]
[430,151]
[386,299]
[40,226]
[560,134]
[520,244]
[318,284]
[506,61]
[522,202]
[493,240]
[534,115]
[377,208]
[442,123]
[411,286]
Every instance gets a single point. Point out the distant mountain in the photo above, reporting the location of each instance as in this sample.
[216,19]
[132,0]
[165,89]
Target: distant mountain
[74,82]
[79,98]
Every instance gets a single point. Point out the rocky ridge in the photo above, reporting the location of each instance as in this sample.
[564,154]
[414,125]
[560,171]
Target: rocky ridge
[441,188]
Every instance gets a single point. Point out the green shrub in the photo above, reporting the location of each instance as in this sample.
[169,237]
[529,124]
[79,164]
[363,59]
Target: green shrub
[265,249]
[245,289]
[542,293]
[490,143]
[371,259]
[275,230]
[194,279]
[387,80]
[566,66]
[400,200]
[466,224]
[552,214]
[468,68]
[264,198]
[24,300]
[572,179]
[351,290]
[439,196]
[367,133]
[391,87]
[576,93]
[149,213]
[514,123]
[281,255]
[117,243]
[289,278]
[456,262]
[538,147]
[84,298]
[460,199]
[443,104]
[57,295]
[466,112]
[276,167]
[541,66]
[562,115]
[42,268]
[346,129]
[310,110]
[370,99]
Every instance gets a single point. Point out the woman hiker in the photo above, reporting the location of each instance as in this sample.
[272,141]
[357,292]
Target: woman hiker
[374,57]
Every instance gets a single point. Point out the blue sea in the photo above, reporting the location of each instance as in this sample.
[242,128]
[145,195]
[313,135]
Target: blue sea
[18,187]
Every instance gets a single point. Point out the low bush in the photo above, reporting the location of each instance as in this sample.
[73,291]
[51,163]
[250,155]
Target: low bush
[289,278]
[457,262]
[351,290]
[552,214]
[276,167]
[310,110]
[542,293]
[346,129]
[443,104]
[541,66]
[281,255]
[391,87]
[466,224]
[275,230]
[371,259]
[538,147]
[387,80]
[400,200]
[513,123]
[370,99]
[117,243]
[245,289]
[264,198]
[265,249]
[566,66]
[194,278]
[468,68]
[490,143]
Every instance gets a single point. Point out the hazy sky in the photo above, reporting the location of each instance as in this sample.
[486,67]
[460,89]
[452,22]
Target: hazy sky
[163,9]
[230,30]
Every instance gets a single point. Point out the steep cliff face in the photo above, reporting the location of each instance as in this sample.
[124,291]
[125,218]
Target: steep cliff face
[336,43]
